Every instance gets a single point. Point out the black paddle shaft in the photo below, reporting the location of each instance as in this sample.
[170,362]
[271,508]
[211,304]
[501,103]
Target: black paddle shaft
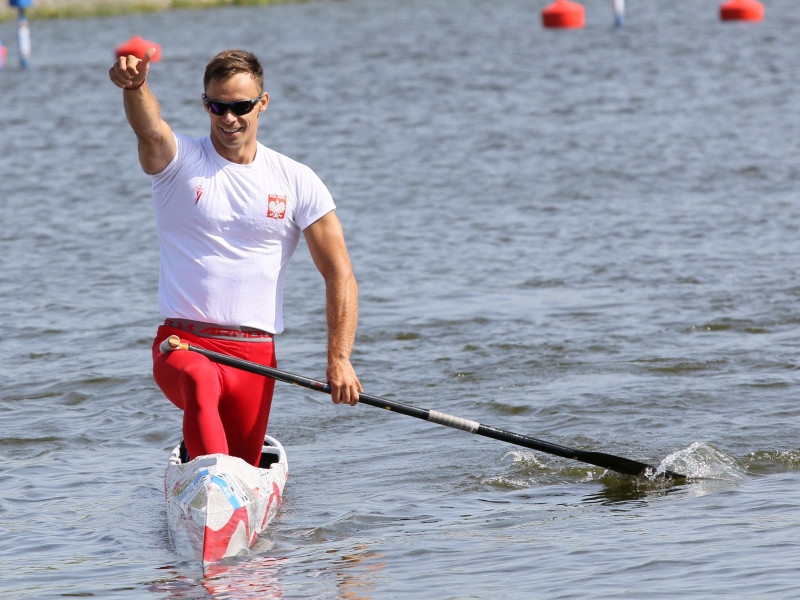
[619,464]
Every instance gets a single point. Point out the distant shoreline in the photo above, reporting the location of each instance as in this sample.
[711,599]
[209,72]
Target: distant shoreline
[74,9]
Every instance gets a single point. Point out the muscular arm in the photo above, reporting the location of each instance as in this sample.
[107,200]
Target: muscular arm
[326,243]
[156,143]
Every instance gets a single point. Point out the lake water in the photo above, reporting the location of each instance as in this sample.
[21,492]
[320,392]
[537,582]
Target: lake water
[589,237]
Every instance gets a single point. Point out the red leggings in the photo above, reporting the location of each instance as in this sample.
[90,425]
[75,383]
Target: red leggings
[225,410]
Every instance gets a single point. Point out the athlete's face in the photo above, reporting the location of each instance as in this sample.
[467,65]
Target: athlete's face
[234,136]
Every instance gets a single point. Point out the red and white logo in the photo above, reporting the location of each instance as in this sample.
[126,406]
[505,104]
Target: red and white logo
[277,207]
[198,190]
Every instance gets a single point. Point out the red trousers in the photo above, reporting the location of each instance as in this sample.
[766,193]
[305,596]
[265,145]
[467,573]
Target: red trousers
[225,410]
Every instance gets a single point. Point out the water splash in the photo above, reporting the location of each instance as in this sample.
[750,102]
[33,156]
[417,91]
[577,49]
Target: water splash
[774,461]
[701,460]
[529,469]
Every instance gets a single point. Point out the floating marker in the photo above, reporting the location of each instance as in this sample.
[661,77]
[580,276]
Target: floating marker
[564,14]
[23,31]
[24,39]
[619,12]
[2,55]
[137,47]
[742,10]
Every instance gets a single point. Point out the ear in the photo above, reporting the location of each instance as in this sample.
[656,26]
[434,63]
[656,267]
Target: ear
[262,105]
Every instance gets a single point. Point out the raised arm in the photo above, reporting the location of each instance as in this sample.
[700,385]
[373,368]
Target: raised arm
[156,143]
[326,243]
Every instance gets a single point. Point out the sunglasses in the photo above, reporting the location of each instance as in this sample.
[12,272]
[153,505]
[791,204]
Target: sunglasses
[239,108]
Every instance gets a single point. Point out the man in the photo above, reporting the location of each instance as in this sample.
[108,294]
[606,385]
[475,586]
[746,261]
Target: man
[229,212]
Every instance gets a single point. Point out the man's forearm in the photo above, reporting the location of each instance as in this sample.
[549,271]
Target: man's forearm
[342,316]
[142,112]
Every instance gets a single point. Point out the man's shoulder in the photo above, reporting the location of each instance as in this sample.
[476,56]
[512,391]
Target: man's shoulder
[283,163]
[192,142]
[273,155]
[189,151]
[187,144]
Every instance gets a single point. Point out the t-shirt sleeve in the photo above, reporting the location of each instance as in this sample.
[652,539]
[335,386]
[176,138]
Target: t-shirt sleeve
[173,164]
[314,200]
[165,181]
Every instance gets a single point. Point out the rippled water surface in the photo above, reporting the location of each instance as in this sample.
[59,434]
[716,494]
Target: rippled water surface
[589,237]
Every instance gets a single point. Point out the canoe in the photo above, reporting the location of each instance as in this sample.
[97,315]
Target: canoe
[218,504]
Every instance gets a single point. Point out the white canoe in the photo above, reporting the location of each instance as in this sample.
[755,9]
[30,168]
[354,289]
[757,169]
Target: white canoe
[218,504]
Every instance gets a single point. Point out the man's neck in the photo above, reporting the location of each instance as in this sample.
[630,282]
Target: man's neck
[243,155]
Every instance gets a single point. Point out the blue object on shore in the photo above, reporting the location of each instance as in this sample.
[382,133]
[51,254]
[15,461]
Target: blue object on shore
[21,3]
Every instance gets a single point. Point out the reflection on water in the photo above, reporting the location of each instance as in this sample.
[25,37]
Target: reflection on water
[631,490]
[356,572]
[624,490]
[239,578]
[251,577]
[245,579]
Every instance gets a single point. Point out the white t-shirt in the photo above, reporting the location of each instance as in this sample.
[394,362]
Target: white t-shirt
[226,232]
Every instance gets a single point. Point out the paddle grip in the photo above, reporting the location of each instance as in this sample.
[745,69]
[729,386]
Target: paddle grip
[441,418]
[171,343]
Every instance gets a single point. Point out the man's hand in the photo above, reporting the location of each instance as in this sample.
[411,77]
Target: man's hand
[344,383]
[129,71]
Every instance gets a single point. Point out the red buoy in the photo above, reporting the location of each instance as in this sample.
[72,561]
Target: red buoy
[741,10]
[564,14]
[138,46]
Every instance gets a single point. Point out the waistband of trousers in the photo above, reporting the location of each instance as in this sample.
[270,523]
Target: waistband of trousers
[220,332]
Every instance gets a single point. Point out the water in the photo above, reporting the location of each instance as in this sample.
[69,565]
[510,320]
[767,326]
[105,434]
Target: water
[588,237]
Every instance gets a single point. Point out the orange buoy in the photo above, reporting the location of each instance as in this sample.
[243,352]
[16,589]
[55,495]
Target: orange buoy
[564,14]
[138,46]
[742,10]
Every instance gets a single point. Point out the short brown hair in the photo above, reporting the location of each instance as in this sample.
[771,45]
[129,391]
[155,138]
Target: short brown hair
[228,63]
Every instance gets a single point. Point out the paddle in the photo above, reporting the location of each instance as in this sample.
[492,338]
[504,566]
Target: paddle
[625,466]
